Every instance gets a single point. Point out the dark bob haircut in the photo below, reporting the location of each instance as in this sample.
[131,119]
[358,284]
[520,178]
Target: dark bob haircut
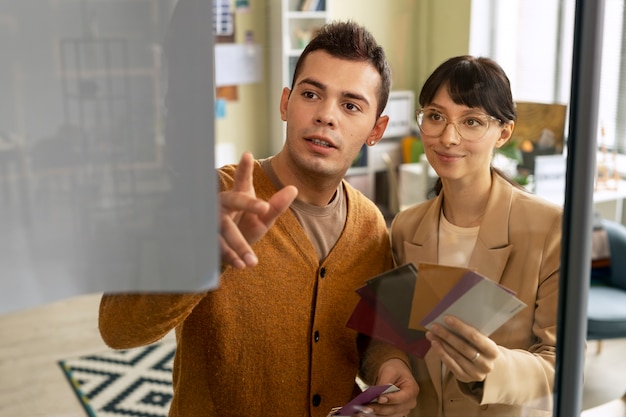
[473,82]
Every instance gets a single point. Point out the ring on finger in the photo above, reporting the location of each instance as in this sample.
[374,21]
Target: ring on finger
[476,356]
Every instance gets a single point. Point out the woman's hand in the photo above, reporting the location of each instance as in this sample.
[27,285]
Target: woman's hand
[466,352]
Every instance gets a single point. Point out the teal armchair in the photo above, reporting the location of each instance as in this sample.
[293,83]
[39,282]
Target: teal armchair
[606,310]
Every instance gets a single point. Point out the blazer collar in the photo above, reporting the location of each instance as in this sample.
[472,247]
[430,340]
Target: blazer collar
[492,248]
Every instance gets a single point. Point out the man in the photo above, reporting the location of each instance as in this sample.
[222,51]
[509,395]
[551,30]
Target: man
[272,340]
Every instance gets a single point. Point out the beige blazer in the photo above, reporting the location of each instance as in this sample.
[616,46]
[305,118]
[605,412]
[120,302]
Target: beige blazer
[518,245]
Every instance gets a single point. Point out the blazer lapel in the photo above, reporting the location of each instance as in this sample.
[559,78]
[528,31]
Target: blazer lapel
[493,249]
[434,370]
[423,248]
[423,245]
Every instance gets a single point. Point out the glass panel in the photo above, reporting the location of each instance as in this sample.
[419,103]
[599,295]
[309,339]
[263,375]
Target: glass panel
[106,153]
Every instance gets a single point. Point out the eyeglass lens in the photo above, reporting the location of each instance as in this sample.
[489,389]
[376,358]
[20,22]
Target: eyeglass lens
[470,127]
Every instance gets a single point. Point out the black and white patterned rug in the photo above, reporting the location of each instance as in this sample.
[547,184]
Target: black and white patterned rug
[131,383]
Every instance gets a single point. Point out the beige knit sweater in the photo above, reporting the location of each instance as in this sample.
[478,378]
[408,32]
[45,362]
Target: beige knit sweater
[271,340]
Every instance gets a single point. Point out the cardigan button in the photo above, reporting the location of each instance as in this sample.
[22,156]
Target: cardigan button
[316,336]
[323,272]
[317,399]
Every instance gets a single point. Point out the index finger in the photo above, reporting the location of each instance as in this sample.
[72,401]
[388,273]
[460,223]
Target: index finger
[243,174]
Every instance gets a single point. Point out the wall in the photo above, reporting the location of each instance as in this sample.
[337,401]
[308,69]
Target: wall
[246,123]
[442,31]
[417,36]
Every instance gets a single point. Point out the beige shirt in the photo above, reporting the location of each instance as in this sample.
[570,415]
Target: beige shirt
[455,243]
[323,225]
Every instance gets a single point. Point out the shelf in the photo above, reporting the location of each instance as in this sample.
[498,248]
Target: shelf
[306,15]
[306,6]
[290,32]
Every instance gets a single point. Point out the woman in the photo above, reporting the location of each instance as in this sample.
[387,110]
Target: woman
[482,221]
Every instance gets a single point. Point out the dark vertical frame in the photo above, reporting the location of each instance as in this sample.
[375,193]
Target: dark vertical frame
[578,208]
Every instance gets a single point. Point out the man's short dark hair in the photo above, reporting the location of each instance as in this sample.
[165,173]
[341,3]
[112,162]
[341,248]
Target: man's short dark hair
[351,41]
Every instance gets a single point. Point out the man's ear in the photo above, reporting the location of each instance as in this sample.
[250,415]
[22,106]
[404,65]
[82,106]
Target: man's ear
[377,132]
[284,102]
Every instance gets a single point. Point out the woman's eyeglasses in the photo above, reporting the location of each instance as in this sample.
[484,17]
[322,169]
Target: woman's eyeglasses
[472,127]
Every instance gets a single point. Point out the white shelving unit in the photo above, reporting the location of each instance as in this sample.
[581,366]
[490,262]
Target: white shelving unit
[289,27]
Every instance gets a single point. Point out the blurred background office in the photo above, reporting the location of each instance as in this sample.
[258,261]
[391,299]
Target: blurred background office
[104,185]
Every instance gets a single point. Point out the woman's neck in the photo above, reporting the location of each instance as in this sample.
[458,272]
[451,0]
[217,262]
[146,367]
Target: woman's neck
[465,205]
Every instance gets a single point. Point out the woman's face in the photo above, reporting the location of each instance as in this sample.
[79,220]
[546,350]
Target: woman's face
[456,158]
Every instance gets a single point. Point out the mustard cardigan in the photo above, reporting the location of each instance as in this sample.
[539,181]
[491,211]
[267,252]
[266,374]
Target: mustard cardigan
[271,340]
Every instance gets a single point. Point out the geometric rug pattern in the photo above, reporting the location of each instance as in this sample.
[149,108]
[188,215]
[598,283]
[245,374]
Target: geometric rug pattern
[130,383]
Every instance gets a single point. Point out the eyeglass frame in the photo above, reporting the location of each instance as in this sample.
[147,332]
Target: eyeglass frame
[449,122]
